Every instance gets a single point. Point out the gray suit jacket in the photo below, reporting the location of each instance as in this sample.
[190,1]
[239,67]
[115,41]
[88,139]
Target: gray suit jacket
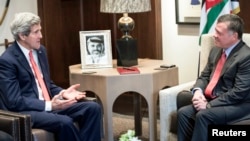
[233,87]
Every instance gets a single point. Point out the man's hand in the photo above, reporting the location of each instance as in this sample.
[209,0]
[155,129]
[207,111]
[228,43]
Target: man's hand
[59,104]
[72,94]
[199,101]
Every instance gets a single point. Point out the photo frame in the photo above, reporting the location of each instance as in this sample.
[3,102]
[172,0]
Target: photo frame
[188,11]
[96,50]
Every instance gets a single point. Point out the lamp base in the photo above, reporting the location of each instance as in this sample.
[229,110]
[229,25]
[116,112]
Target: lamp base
[126,24]
[127,52]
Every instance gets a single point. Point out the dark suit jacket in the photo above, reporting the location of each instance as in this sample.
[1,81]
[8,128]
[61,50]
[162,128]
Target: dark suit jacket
[18,90]
[233,87]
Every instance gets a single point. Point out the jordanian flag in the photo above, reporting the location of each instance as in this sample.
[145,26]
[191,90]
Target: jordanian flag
[212,9]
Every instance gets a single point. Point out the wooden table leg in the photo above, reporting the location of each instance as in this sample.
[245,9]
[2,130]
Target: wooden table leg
[137,114]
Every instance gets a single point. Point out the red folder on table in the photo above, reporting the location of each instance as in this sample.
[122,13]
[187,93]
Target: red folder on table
[128,70]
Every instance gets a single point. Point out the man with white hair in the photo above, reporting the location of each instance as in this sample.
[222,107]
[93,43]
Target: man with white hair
[26,87]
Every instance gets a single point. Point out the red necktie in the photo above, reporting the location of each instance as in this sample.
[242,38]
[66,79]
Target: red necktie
[38,76]
[216,75]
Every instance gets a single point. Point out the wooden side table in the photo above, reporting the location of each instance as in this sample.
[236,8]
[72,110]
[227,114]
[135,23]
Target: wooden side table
[108,84]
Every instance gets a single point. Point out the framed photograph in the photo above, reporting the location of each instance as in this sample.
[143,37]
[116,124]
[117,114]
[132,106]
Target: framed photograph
[188,11]
[96,50]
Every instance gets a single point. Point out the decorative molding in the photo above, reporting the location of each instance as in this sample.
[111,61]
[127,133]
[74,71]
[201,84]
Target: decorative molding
[4,11]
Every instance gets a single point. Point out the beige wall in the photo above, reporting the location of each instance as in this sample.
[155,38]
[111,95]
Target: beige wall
[180,43]
[15,6]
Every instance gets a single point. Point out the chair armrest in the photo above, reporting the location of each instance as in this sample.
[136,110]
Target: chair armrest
[89,99]
[10,125]
[25,124]
[167,99]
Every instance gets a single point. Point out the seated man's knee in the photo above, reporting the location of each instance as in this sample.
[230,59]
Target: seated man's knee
[201,114]
[184,98]
[65,122]
[95,106]
[5,136]
[181,111]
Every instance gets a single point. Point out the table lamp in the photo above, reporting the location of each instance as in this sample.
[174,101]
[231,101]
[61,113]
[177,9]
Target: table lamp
[126,46]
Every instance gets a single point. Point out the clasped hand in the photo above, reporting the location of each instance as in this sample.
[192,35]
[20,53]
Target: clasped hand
[67,98]
[199,101]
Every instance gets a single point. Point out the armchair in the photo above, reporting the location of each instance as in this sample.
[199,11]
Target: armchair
[168,97]
[10,125]
[24,124]
[20,127]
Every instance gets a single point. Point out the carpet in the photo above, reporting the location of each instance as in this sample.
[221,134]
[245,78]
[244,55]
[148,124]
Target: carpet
[122,123]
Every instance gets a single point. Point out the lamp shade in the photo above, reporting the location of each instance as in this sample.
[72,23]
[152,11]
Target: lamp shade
[125,6]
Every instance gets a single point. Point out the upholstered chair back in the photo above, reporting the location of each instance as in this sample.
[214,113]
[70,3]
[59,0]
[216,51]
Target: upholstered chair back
[207,42]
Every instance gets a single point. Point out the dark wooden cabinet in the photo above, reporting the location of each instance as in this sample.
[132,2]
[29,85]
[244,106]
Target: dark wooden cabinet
[63,19]
[244,10]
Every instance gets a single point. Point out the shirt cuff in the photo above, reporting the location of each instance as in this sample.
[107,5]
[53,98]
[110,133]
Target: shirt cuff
[48,106]
[194,89]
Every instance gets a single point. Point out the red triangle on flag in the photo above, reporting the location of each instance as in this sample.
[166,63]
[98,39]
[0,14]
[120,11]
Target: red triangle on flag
[211,3]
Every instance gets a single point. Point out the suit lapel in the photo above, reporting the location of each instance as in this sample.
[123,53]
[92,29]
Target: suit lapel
[40,55]
[20,57]
[231,57]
